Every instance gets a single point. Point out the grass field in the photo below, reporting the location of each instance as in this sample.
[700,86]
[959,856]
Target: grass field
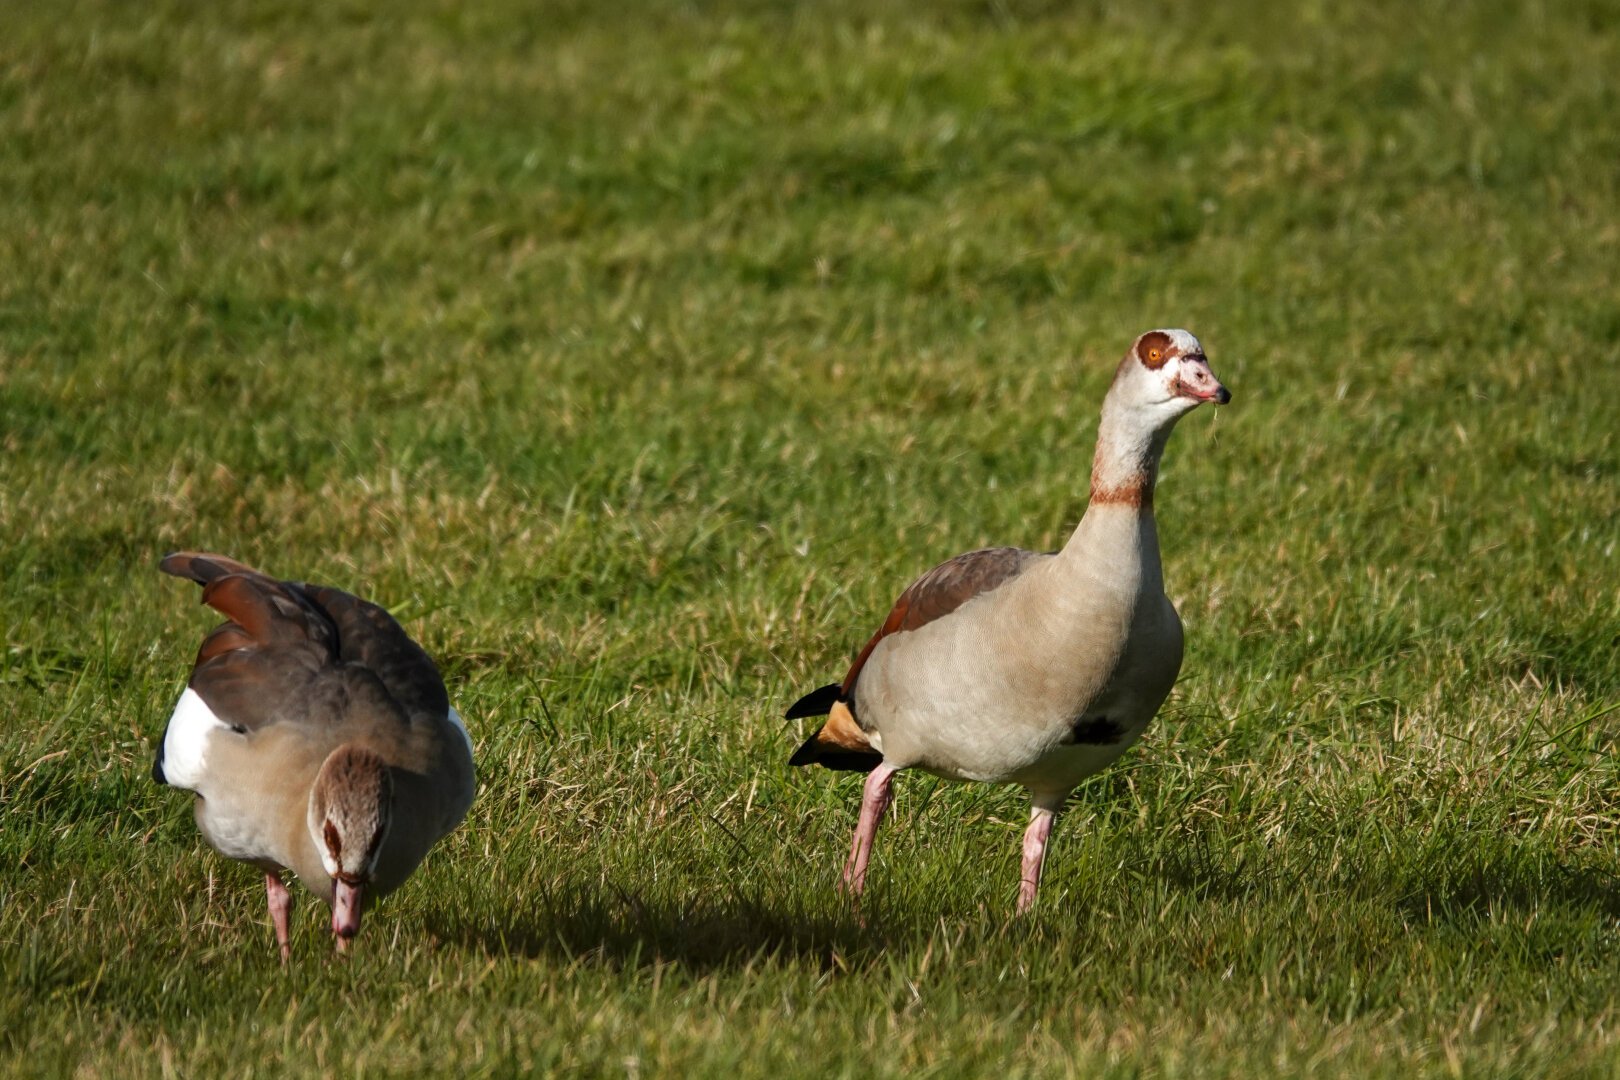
[637,361]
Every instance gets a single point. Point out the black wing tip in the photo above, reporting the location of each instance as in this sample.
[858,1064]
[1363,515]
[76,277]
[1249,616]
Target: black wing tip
[818,702]
[812,752]
[157,768]
[844,761]
[807,753]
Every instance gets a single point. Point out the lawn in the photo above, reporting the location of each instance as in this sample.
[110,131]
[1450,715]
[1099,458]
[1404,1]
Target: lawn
[637,360]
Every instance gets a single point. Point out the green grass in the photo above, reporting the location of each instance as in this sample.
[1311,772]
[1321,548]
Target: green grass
[638,361]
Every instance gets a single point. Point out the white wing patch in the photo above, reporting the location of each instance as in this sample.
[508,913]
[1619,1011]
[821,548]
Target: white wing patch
[185,742]
[456,721]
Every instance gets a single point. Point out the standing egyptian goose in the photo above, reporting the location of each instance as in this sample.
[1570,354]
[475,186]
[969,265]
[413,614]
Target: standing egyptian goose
[318,737]
[1013,666]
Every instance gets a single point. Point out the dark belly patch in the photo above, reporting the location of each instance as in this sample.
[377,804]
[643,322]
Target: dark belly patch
[1096,731]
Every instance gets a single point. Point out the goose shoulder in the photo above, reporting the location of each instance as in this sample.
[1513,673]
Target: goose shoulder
[943,592]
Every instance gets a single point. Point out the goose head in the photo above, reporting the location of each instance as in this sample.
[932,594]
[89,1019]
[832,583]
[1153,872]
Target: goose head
[1167,375]
[349,816]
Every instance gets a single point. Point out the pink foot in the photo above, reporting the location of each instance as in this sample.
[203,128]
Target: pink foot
[875,798]
[280,909]
[1035,838]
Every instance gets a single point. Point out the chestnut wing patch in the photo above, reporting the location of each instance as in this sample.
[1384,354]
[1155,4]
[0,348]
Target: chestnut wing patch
[275,645]
[941,591]
[290,645]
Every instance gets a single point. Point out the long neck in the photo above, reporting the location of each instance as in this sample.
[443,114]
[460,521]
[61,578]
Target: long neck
[1126,465]
[1117,533]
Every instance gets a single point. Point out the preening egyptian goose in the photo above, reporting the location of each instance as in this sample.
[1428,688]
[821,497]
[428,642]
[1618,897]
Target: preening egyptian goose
[318,737]
[1021,667]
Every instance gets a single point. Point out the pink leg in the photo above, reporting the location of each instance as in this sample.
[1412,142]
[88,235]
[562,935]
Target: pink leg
[875,799]
[1035,837]
[280,908]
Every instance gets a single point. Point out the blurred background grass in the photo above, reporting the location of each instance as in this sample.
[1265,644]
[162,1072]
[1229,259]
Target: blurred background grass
[638,358]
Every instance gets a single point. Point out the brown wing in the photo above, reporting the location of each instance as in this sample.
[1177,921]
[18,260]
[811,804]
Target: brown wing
[941,591]
[284,636]
[840,743]
[369,636]
[274,647]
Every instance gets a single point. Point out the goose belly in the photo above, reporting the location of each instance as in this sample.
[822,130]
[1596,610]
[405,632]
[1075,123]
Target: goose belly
[239,831]
[1046,715]
[1080,754]
[1048,753]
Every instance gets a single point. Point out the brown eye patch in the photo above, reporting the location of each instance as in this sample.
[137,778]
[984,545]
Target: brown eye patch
[1154,349]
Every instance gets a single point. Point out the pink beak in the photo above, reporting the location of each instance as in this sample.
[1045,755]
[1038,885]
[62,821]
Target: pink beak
[347,903]
[1198,382]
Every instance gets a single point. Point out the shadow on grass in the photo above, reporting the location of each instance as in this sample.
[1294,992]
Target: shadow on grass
[1479,890]
[1438,885]
[628,930]
[715,930]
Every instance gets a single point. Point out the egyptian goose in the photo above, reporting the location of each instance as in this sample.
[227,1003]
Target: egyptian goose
[1013,666]
[317,737]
